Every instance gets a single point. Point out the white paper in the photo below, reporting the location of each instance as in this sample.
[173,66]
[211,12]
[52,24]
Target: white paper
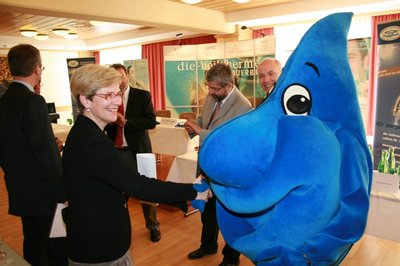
[58,227]
[146,164]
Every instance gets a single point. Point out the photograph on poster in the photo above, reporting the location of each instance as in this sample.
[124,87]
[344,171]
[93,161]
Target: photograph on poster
[138,73]
[5,75]
[358,55]
[387,117]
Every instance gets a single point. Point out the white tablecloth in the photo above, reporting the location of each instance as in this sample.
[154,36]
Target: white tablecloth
[165,138]
[171,140]
[183,169]
[384,215]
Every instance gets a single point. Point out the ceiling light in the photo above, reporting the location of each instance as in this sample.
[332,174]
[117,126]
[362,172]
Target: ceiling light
[71,36]
[241,1]
[191,2]
[42,37]
[60,31]
[28,33]
[98,23]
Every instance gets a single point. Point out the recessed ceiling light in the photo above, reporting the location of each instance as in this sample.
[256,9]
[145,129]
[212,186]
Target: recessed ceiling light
[71,36]
[98,23]
[42,37]
[241,1]
[191,2]
[60,31]
[28,33]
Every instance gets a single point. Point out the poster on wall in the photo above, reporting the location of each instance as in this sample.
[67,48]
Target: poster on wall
[73,64]
[387,116]
[180,78]
[5,75]
[185,68]
[240,56]
[358,55]
[138,73]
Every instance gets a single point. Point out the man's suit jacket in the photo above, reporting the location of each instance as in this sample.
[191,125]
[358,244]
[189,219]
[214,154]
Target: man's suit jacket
[97,182]
[235,105]
[29,154]
[140,117]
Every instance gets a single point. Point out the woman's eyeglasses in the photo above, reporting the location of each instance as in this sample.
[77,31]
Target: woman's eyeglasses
[110,95]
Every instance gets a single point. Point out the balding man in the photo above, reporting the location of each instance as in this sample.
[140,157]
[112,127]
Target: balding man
[268,72]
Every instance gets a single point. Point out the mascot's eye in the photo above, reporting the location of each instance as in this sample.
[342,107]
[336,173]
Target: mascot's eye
[296,100]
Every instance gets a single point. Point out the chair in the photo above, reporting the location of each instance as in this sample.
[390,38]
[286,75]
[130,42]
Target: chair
[188,115]
[163,113]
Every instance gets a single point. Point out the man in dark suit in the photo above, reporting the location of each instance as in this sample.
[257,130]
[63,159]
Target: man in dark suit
[138,117]
[29,154]
[223,103]
[268,72]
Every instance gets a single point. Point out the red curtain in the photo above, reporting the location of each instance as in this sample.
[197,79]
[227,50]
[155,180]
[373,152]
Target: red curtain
[155,57]
[375,20]
[96,55]
[262,32]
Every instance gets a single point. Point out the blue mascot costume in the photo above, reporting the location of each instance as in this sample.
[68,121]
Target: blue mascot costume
[294,186]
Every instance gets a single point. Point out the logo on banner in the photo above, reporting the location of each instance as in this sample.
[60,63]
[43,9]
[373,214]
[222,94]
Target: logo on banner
[390,33]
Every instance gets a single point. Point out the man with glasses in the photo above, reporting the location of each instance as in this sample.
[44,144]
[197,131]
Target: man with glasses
[29,156]
[223,103]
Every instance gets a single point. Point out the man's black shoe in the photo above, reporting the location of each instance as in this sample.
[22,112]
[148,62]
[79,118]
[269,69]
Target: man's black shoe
[228,264]
[155,235]
[199,253]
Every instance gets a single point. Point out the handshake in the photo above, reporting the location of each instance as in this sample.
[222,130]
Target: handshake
[203,193]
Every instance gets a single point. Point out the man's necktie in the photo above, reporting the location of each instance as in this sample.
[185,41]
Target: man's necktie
[118,137]
[214,114]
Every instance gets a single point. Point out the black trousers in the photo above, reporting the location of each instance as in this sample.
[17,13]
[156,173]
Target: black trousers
[38,248]
[210,230]
[149,211]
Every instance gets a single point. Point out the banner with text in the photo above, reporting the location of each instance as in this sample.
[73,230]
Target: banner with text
[73,64]
[186,65]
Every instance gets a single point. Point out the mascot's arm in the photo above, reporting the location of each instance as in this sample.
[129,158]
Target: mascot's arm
[331,245]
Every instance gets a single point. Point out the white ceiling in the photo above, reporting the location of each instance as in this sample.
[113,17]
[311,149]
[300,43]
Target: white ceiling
[144,21]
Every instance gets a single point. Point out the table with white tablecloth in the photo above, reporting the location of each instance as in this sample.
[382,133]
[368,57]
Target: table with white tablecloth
[384,215]
[183,168]
[166,138]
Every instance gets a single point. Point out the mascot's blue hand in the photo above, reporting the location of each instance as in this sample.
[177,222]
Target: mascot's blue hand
[200,187]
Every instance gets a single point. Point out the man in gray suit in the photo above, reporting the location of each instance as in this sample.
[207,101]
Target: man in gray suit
[223,103]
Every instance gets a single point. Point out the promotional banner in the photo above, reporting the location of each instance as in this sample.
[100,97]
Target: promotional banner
[185,68]
[73,65]
[387,117]
[5,75]
[358,54]
[138,73]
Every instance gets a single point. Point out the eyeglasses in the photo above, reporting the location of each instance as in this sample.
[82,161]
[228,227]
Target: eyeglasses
[215,89]
[110,95]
